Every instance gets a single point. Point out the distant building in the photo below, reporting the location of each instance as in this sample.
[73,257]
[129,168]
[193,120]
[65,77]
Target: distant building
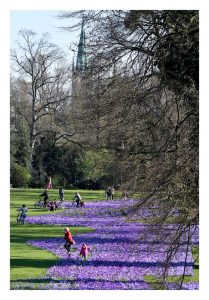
[79,76]
[79,69]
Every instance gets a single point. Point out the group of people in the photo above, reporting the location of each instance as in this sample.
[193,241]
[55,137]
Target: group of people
[77,198]
[69,241]
[53,205]
[45,194]
[109,193]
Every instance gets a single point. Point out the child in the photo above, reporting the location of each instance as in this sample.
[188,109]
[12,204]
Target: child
[69,240]
[84,251]
[22,215]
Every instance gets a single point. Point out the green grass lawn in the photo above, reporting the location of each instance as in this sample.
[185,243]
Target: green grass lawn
[26,261]
[29,262]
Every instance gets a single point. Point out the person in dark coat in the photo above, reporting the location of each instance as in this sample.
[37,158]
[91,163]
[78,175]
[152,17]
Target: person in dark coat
[45,196]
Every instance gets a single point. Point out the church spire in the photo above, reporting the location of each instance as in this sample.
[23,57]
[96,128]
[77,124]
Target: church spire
[81,62]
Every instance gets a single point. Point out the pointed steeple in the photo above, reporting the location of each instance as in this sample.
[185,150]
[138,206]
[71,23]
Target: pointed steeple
[81,62]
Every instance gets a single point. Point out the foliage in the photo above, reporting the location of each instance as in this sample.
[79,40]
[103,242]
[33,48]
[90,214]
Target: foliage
[140,100]
[143,74]
[20,176]
[19,146]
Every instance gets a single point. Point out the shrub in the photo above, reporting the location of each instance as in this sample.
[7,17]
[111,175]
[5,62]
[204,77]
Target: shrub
[57,181]
[90,184]
[20,176]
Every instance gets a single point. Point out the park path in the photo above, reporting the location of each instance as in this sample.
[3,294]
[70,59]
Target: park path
[121,254]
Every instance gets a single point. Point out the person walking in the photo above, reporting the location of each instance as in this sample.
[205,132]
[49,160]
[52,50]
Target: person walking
[61,194]
[109,193]
[69,241]
[77,198]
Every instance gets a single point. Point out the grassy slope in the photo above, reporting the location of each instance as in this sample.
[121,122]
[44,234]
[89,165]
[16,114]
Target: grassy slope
[27,261]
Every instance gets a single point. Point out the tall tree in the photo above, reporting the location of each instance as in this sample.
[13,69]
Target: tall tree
[41,84]
[148,95]
[147,104]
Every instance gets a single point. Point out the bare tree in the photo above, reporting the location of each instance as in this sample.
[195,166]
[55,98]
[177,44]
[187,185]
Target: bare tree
[40,85]
[141,99]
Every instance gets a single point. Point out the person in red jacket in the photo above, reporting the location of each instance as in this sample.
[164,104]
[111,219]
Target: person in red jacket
[69,240]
